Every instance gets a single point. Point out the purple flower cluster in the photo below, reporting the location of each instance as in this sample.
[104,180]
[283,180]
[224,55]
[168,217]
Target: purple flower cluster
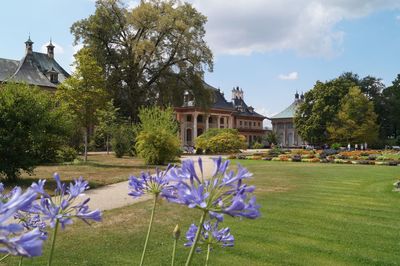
[223,193]
[146,183]
[62,207]
[13,239]
[210,235]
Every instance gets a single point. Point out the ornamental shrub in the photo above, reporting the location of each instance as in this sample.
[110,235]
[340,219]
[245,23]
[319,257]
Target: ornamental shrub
[221,141]
[257,145]
[32,129]
[336,146]
[66,154]
[157,147]
[157,141]
[122,140]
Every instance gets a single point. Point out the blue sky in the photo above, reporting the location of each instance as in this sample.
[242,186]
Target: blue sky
[270,48]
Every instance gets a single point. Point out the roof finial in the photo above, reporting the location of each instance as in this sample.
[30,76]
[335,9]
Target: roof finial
[296,96]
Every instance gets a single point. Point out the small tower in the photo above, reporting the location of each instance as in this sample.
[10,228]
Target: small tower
[29,46]
[302,96]
[296,96]
[50,50]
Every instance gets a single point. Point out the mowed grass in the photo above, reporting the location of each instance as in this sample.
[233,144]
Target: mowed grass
[312,214]
[99,170]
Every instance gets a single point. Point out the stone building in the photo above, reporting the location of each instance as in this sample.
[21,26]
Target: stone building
[38,69]
[222,114]
[283,125]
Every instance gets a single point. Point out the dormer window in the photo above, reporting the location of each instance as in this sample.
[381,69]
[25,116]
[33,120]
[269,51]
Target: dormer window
[54,78]
[52,74]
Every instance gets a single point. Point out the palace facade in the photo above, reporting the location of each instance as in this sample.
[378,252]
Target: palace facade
[223,114]
[37,69]
[283,125]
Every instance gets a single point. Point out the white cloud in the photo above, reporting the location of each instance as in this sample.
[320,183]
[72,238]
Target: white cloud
[58,49]
[307,27]
[290,76]
[265,112]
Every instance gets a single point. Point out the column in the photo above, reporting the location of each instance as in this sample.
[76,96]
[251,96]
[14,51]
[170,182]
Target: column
[207,117]
[194,126]
[182,123]
[284,134]
[231,122]
[219,121]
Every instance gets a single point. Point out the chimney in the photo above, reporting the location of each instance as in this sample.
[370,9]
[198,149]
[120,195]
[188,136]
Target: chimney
[50,50]
[29,46]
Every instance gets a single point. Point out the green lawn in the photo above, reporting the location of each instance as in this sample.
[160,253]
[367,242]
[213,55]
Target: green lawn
[312,214]
[99,170]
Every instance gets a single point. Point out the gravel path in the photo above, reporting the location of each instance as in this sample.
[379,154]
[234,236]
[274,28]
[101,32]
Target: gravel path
[116,195]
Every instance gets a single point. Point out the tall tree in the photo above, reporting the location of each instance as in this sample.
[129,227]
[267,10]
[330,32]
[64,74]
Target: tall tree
[84,92]
[107,121]
[356,120]
[142,50]
[320,106]
[391,109]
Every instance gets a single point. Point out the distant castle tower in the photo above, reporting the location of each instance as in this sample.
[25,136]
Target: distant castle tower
[237,93]
[50,49]
[29,46]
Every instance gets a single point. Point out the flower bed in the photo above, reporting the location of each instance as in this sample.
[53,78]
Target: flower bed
[370,157]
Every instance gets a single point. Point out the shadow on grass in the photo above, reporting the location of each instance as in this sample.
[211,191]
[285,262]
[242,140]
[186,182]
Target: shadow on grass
[50,186]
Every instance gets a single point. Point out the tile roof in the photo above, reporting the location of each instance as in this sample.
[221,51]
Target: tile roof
[32,69]
[237,106]
[289,112]
[7,68]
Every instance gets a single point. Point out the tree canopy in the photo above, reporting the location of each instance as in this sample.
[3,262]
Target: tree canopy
[323,102]
[355,121]
[84,92]
[391,108]
[149,54]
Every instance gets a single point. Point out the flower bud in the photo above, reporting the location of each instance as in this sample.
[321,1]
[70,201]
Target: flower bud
[177,232]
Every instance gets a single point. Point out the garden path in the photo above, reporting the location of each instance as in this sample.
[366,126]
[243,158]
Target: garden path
[116,195]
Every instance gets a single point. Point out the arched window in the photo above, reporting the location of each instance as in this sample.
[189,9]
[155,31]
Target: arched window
[221,121]
[188,118]
[200,119]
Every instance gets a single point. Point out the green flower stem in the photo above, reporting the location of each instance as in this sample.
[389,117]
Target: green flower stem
[173,252]
[20,261]
[53,242]
[208,254]
[149,230]
[5,257]
[196,239]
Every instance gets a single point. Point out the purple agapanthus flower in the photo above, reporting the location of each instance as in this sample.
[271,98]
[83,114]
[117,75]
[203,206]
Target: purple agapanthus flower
[13,239]
[223,193]
[209,235]
[156,184]
[62,207]
[27,244]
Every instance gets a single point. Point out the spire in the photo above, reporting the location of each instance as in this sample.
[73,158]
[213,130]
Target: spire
[50,49]
[296,96]
[28,45]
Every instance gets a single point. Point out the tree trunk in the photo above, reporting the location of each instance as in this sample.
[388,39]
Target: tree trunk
[86,144]
[107,145]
